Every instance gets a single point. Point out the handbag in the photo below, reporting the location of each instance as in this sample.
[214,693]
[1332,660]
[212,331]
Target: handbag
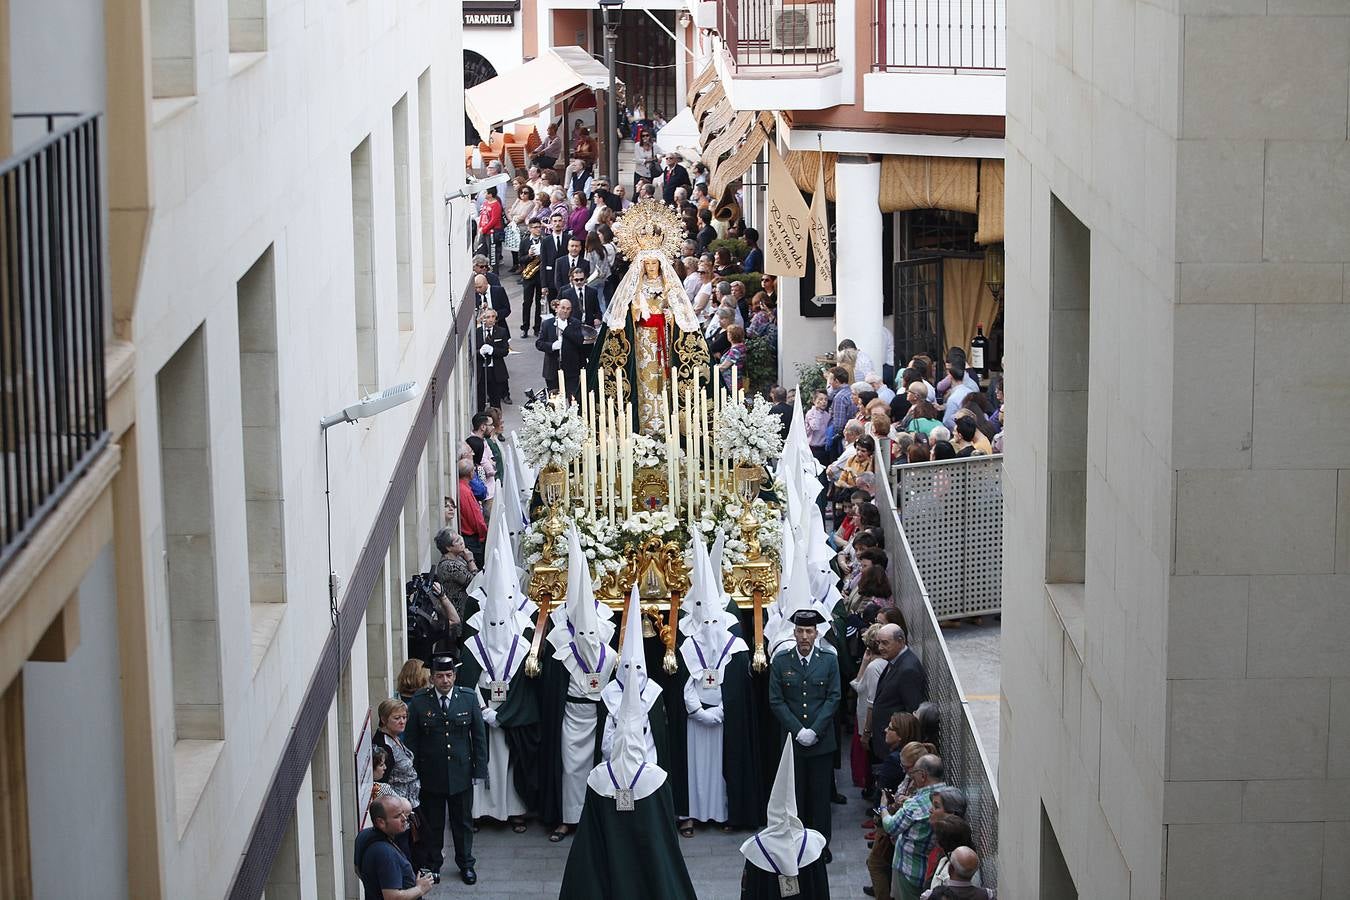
[512,239]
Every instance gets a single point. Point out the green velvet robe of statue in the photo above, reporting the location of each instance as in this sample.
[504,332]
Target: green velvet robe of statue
[627,855]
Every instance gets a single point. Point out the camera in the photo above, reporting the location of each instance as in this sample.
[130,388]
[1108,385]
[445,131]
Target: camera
[435,876]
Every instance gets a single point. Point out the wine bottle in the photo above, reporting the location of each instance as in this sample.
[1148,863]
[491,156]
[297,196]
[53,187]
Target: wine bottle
[979,346]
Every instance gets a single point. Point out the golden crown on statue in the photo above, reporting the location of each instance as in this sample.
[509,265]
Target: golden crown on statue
[649,225]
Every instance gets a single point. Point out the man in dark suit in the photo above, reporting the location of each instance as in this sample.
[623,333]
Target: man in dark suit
[563,341]
[673,175]
[494,345]
[450,752]
[563,265]
[483,266]
[493,296]
[531,249]
[585,301]
[553,246]
[804,696]
[902,687]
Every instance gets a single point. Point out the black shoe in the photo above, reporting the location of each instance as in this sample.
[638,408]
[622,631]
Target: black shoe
[838,798]
[509,402]
[468,876]
[867,889]
[524,332]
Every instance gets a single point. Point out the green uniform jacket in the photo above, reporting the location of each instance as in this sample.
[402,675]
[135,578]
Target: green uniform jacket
[806,698]
[449,751]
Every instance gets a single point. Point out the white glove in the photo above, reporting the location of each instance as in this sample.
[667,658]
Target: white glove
[713,716]
[485,350]
[557,345]
[806,737]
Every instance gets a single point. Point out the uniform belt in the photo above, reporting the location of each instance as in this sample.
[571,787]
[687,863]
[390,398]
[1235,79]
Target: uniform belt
[571,699]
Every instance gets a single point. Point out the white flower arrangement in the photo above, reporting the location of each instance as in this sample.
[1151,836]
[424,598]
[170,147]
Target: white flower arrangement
[750,434]
[645,524]
[648,452]
[725,519]
[600,541]
[551,433]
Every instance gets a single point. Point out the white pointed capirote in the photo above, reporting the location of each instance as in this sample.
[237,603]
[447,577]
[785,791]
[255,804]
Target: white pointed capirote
[632,666]
[581,635]
[796,595]
[798,468]
[630,763]
[715,555]
[785,845]
[706,596]
[824,583]
[499,644]
[513,504]
[499,551]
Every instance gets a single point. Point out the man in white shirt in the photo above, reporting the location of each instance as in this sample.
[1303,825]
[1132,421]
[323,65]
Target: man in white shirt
[876,384]
[959,391]
[864,366]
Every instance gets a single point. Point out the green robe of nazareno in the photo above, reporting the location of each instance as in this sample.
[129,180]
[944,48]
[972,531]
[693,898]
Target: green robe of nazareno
[519,716]
[624,855]
[553,681]
[591,379]
[813,882]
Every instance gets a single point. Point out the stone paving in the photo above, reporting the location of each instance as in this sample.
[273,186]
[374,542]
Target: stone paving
[526,865]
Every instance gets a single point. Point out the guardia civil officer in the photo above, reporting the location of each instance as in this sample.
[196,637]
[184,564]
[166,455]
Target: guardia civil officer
[449,743]
[804,697]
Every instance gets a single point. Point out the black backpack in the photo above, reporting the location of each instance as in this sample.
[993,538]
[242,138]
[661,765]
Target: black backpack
[426,621]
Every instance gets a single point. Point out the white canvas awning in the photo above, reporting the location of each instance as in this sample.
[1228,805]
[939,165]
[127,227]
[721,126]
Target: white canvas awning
[680,135]
[553,75]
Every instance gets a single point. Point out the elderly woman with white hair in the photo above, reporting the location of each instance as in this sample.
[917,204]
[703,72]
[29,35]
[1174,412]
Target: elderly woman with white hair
[878,385]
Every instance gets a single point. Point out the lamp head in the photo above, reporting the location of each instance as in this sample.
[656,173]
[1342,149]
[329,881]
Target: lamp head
[373,404]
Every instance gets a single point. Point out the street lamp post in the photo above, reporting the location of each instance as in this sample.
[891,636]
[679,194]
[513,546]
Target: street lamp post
[610,11]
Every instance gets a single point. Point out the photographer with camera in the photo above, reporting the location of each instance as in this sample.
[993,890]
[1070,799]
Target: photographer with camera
[385,872]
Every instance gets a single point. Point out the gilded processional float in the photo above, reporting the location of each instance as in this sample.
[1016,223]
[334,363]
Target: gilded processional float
[656,450]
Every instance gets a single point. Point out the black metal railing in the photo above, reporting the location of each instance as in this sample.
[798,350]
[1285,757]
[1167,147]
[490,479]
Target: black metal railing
[940,34]
[53,416]
[779,33]
[963,756]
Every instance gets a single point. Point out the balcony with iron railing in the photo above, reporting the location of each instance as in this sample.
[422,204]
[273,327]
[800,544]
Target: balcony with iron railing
[53,411]
[947,35]
[944,57]
[779,34]
[785,54]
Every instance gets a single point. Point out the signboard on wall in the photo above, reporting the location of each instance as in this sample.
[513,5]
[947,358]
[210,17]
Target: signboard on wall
[488,14]
[365,773]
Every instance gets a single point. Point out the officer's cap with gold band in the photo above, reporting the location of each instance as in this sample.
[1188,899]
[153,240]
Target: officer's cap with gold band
[444,663]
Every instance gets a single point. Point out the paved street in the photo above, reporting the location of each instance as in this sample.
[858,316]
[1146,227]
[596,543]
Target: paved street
[526,865]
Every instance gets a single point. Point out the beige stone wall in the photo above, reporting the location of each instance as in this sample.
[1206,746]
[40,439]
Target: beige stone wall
[1259,617]
[1204,147]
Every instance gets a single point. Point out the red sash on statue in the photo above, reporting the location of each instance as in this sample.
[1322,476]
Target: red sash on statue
[657,321]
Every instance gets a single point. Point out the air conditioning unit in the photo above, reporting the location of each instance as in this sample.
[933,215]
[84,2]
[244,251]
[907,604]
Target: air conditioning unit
[796,26]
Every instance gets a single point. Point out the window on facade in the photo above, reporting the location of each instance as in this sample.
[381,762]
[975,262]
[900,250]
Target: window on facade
[189,542]
[173,48]
[363,270]
[248,26]
[1070,314]
[426,169]
[403,214]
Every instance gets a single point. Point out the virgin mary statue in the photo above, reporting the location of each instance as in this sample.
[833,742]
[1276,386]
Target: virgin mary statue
[650,326]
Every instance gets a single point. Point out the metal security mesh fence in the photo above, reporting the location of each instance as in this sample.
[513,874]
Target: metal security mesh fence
[958,743]
[952,512]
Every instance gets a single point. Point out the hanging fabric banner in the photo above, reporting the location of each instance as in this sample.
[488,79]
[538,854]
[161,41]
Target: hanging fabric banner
[820,236]
[787,221]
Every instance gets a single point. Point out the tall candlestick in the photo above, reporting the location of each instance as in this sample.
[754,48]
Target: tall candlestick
[689,465]
[621,404]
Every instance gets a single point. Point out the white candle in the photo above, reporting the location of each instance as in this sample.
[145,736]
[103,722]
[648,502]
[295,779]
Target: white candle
[688,471]
[621,405]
